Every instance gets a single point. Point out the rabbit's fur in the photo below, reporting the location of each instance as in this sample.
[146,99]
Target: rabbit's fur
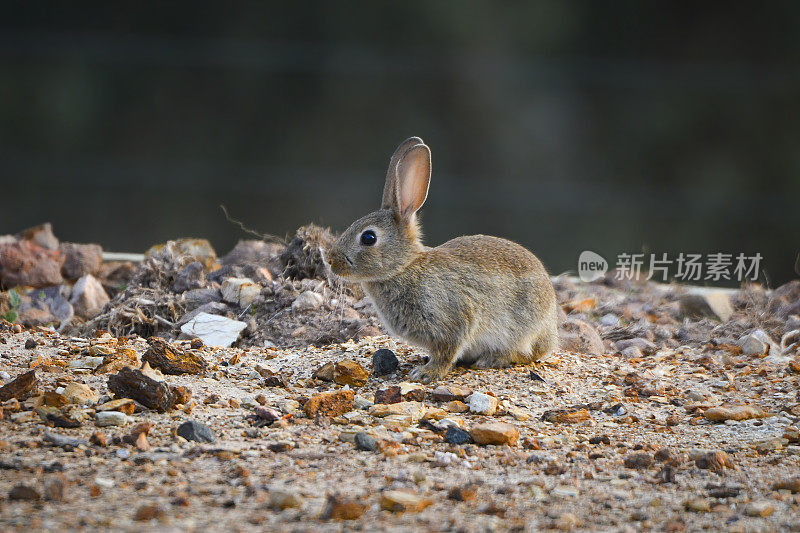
[477,300]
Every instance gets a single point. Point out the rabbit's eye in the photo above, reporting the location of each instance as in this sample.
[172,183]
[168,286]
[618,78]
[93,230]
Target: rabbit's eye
[368,238]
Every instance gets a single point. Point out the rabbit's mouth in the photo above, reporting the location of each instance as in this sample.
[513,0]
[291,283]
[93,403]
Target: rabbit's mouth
[340,263]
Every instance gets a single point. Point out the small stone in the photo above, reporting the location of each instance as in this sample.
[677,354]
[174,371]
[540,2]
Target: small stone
[324,373]
[350,373]
[62,441]
[80,260]
[110,418]
[580,337]
[30,344]
[24,492]
[759,509]
[281,446]
[462,494]
[399,501]
[450,394]
[639,460]
[609,320]
[214,330]
[365,442]
[388,395]
[80,394]
[756,343]
[456,435]
[148,512]
[141,442]
[384,362]
[54,488]
[710,303]
[340,508]
[739,412]
[566,522]
[196,431]
[697,505]
[482,404]
[190,277]
[171,359]
[643,345]
[716,461]
[62,418]
[282,499]
[26,264]
[240,291]
[414,410]
[123,405]
[494,433]
[566,416]
[791,484]
[455,407]
[99,439]
[267,413]
[308,300]
[88,297]
[331,403]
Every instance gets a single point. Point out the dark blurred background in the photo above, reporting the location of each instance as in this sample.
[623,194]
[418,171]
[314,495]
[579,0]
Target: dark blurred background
[614,126]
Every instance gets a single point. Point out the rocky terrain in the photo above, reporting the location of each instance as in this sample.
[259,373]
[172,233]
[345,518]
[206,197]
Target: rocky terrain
[250,392]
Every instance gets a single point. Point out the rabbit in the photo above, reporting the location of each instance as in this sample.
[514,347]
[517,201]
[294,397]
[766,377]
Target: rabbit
[477,300]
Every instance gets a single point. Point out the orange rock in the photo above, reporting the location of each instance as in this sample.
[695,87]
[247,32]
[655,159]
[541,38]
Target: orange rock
[331,403]
[496,433]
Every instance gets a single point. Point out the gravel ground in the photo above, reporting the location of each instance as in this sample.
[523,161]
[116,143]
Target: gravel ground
[606,443]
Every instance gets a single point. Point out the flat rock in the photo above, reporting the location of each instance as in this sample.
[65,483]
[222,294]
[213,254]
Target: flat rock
[171,359]
[331,403]
[388,395]
[26,264]
[214,330]
[414,410]
[80,394]
[494,433]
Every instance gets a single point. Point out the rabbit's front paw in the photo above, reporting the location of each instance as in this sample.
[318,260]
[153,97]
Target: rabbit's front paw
[426,374]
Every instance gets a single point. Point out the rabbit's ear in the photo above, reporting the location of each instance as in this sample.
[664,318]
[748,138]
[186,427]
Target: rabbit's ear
[390,187]
[413,179]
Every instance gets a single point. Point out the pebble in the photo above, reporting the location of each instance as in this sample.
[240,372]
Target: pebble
[456,435]
[4,375]
[308,300]
[214,330]
[282,499]
[384,362]
[739,412]
[365,442]
[24,492]
[388,395]
[111,418]
[639,460]
[609,320]
[399,501]
[567,522]
[193,430]
[755,344]
[30,344]
[62,441]
[482,404]
[494,433]
[759,509]
[267,413]
[697,505]
[341,508]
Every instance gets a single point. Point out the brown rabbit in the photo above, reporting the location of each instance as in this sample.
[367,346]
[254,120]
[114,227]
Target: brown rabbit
[478,300]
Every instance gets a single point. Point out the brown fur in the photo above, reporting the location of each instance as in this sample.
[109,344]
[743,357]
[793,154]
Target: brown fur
[479,300]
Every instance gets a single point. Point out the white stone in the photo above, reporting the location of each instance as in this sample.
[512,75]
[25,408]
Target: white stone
[756,343]
[88,297]
[482,404]
[307,300]
[111,418]
[214,330]
[240,291]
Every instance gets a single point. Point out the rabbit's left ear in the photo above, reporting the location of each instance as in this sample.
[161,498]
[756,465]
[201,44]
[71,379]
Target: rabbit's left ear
[413,180]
